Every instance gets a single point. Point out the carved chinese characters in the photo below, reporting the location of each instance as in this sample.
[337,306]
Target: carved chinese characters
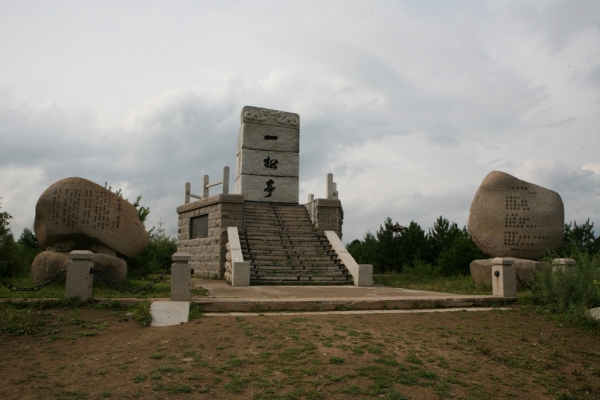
[513,218]
[268,163]
[87,213]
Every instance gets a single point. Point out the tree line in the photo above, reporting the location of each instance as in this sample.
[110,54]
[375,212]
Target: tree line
[446,249]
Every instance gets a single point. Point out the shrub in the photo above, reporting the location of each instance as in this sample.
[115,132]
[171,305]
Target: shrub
[456,259]
[572,290]
[156,258]
[141,313]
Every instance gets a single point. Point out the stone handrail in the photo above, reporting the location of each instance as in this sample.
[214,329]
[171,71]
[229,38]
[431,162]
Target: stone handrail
[362,273]
[237,271]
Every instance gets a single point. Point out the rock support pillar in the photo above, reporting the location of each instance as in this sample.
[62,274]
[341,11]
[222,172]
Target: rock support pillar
[79,275]
[562,264]
[504,278]
[181,277]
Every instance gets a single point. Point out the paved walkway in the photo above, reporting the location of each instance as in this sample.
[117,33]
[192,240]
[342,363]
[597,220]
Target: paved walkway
[225,298]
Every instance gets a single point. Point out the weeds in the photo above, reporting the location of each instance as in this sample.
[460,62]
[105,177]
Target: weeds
[141,313]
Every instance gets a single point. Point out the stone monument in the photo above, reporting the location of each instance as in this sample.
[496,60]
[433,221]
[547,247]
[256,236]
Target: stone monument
[268,159]
[513,218]
[77,214]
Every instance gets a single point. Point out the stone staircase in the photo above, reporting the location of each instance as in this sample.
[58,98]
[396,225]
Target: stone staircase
[283,248]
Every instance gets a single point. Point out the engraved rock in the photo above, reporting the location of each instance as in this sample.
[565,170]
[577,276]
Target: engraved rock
[80,210]
[513,218]
[114,268]
[47,263]
[481,270]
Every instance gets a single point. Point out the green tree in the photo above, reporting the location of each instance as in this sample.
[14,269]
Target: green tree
[440,237]
[389,256]
[457,258]
[365,251]
[11,262]
[156,258]
[413,245]
[579,239]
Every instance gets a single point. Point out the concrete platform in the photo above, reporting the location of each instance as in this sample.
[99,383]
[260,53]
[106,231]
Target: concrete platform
[167,313]
[223,298]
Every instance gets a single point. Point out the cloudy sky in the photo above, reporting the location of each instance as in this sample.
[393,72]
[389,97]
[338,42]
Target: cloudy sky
[410,104]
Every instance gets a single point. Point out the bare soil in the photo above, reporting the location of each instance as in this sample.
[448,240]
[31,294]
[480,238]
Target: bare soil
[85,353]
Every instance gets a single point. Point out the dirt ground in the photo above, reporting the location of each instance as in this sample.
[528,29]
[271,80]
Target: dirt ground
[84,353]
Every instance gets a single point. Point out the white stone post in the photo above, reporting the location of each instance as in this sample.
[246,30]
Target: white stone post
[330,188]
[225,180]
[311,207]
[181,277]
[335,192]
[562,264]
[205,187]
[504,278]
[186,195]
[79,275]
[240,269]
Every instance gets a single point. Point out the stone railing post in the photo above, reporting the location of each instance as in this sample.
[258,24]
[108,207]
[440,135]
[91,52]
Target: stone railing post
[181,277]
[504,278]
[79,275]
[329,187]
[562,264]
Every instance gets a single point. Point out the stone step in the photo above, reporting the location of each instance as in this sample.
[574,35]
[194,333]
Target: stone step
[278,252]
[297,266]
[273,222]
[284,249]
[328,270]
[299,278]
[298,283]
[288,235]
[284,258]
[308,249]
[279,228]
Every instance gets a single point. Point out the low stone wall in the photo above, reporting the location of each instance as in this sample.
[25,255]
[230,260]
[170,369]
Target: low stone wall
[209,253]
[326,215]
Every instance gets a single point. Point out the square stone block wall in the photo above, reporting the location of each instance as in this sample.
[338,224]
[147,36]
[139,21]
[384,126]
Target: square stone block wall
[326,215]
[252,136]
[252,187]
[208,254]
[274,163]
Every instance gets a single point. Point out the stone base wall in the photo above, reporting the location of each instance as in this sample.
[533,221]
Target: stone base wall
[326,215]
[209,254]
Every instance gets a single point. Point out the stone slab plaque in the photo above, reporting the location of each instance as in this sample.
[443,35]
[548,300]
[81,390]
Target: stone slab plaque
[513,218]
[78,209]
[264,116]
[272,163]
[265,137]
[272,189]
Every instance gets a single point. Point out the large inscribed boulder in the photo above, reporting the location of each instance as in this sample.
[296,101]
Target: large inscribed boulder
[513,218]
[47,263]
[80,210]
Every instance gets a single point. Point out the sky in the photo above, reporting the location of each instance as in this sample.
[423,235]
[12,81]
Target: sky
[410,104]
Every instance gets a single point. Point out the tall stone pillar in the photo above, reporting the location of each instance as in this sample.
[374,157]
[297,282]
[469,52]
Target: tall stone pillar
[268,157]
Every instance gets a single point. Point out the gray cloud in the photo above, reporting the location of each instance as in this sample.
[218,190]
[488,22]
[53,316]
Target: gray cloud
[409,104]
